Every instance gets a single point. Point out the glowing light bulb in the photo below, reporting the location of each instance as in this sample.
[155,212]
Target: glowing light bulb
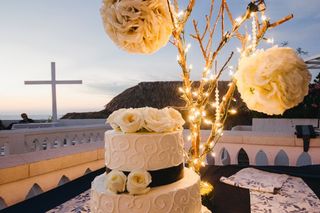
[206,70]
[218,124]
[232,111]
[238,20]
[207,121]
[187,48]
[195,93]
[180,14]
[270,40]
[205,79]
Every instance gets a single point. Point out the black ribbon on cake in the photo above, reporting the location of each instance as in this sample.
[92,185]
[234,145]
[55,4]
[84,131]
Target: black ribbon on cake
[162,176]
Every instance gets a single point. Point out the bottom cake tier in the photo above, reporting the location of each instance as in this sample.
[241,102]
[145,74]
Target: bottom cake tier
[182,196]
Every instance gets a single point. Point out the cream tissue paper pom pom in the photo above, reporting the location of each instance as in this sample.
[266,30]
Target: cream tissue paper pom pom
[272,81]
[137,26]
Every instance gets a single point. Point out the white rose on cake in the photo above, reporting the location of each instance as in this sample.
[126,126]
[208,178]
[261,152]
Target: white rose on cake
[175,116]
[157,120]
[129,120]
[115,181]
[138,182]
[151,119]
[272,81]
[137,26]
[112,119]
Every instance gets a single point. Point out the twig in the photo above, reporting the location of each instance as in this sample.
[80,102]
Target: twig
[266,25]
[208,20]
[186,16]
[197,37]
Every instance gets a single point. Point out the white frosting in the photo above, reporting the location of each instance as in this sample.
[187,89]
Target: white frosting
[147,151]
[205,210]
[182,196]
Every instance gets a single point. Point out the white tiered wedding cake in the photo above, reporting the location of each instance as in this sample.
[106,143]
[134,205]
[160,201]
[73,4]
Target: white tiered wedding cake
[145,170]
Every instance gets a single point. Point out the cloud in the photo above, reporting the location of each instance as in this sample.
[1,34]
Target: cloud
[109,88]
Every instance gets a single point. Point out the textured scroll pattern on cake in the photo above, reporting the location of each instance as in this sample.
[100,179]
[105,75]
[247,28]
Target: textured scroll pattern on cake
[152,151]
[182,196]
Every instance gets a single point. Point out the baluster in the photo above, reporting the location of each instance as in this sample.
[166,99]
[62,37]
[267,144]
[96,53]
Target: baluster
[6,149]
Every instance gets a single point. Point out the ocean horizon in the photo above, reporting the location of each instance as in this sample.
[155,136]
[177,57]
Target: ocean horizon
[32,116]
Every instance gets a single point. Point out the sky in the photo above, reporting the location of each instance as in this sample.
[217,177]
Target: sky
[34,33]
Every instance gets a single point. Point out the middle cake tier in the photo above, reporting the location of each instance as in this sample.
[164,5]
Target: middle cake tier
[146,151]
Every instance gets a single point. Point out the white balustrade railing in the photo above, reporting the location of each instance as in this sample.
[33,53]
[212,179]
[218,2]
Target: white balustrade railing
[262,148]
[30,140]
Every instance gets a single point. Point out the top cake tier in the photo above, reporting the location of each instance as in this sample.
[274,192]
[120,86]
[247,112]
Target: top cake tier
[147,151]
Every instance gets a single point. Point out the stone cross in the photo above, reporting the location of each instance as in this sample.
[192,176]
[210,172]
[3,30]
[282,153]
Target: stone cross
[53,83]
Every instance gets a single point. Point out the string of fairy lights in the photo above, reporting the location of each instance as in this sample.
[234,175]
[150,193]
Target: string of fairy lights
[197,98]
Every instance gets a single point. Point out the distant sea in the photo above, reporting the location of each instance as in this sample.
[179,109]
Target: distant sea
[32,116]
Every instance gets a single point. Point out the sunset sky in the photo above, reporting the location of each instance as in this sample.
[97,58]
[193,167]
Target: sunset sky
[36,32]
